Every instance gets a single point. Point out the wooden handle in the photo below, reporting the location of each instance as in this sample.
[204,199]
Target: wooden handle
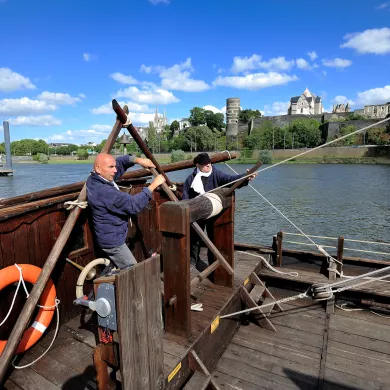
[238,183]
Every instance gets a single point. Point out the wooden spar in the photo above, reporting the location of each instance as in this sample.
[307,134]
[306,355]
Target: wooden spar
[136,174]
[166,186]
[238,183]
[39,286]
[134,133]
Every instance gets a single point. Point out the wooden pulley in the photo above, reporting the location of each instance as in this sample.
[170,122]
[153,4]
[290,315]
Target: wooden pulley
[321,291]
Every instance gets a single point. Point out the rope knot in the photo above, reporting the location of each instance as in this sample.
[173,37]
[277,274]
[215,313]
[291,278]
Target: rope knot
[75,203]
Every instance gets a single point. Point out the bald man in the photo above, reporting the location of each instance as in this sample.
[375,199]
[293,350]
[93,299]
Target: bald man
[112,208]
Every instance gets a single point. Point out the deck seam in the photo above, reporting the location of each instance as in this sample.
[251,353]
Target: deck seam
[324,354]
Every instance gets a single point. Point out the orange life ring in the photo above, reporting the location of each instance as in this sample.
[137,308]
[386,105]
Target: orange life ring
[10,275]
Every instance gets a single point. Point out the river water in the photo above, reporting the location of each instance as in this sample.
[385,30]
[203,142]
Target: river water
[321,199]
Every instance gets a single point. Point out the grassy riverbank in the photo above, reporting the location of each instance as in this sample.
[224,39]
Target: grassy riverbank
[322,160]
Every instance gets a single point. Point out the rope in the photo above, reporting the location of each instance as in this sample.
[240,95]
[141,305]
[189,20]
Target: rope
[230,156]
[268,265]
[319,247]
[74,203]
[345,239]
[326,288]
[52,341]
[21,281]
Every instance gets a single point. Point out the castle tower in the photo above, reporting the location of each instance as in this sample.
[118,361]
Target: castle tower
[232,112]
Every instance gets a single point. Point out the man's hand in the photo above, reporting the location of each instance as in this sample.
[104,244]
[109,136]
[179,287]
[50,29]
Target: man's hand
[158,180]
[251,177]
[144,162]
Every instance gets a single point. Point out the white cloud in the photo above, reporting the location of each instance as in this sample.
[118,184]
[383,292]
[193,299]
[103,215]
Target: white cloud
[276,108]
[312,55]
[215,110]
[375,41]
[107,108]
[123,79]
[148,96]
[89,57]
[24,106]
[383,5]
[244,64]
[254,81]
[12,81]
[177,77]
[302,64]
[155,2]
[101,128]
[82,96]
[337,63]
[374,96]
[58,98]
[40,120]
[342,100]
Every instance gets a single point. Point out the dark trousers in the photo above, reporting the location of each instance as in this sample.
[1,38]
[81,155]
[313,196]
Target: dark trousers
[196,243]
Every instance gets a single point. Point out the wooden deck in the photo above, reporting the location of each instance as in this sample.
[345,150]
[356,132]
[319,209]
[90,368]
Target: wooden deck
[69,364]
[310,350]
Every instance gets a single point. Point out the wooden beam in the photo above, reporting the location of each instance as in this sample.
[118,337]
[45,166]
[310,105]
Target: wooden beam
[240,182]
[32,300]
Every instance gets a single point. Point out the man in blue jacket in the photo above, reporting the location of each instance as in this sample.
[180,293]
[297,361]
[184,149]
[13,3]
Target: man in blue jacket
[205,178]
[112,208]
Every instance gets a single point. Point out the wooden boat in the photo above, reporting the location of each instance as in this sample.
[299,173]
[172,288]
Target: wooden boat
[154,337]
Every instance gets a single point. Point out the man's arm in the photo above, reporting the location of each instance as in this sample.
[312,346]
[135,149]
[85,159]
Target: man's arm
[224,178]
[123,163]
[186,189]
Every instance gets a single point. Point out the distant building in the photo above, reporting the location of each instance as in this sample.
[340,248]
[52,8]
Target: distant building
[337,108]
[306,104]
[58,144]
[184,123]
[377,111]
[159,121]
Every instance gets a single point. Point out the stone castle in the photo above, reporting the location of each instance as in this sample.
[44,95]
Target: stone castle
[305,104]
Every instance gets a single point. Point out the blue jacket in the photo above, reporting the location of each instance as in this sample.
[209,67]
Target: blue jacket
[112,208]
[216,179]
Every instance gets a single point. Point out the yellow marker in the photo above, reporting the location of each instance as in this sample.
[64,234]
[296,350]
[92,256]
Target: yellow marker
[174,372]
[246,281]
[214,324]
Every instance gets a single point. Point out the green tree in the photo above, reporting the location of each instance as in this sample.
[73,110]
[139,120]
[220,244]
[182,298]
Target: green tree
[247,115]
[214,121]
[82,154]
[305,133]
[200,137]
[2,148]
[152,137]
[197,116]
[177,155]
[174,127]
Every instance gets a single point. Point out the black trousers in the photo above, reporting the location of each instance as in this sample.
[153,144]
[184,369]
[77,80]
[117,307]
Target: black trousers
[196,243]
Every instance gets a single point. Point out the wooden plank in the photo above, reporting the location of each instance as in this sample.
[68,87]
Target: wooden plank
[28,379]
[321,375]
[176,260]
[358,327]
[242,370]
[335,378]
[9,385]
[257,293]
[154,324]
[271,363]
[132,320]
[55,371]
[230,382]
[198,381]
[293,355]
[222,236]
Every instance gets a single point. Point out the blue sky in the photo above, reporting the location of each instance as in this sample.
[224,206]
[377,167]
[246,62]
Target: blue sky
[61,62]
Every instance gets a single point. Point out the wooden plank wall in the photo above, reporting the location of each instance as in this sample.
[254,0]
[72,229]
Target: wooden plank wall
[140,327]
[30,236]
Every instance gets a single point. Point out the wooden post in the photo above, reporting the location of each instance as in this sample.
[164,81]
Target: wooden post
[340,252]
[175,252]
[279,249]
[138,303]
[223,238]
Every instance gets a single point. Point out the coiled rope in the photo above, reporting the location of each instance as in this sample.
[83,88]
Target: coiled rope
[75,203]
